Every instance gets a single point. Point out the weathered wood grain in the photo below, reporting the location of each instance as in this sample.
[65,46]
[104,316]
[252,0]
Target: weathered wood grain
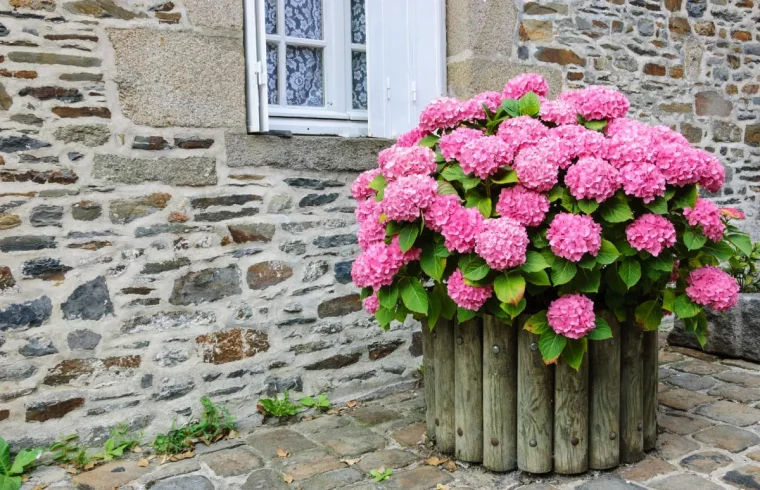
[428,364]
[468,393]
[650,374]
[444,386]
[571,418]
[631,393]
[604,399]
[499,395]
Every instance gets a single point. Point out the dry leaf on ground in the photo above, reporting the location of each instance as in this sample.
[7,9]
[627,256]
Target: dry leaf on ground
[352,403]
[350,462]
[435,461]
[451,466]
[143,463]
[441,486]
[282,453]
[288,479]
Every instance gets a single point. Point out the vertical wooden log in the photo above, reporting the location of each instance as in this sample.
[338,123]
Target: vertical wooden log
[604,399]
[444,386]
[499,395]
[571,418]
[535,392]
[468,393]
[631,393]
[650,374]
[428,364]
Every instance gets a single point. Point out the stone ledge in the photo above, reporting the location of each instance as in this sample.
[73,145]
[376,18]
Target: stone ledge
[327,153]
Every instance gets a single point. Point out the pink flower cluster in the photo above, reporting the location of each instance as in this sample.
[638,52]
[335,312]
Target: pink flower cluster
[451,144]
[572,316]
[652,233]
[559,112]
[411,138]
[376,266]
[520,132]
[465,296]
[371,230]
[707,215]
[580,142]
[502,243]
[573,235]
[445,112]
[709,286]
[597,102]
[679,164]
[629,141]
[472,110]
[484,156]
[522,84]
[400,161]
[535,169]
[461,229]
[522,205]
[407,196]
[732,213]
[440,211]
[371,304]
[360,187]
[593,178]
[643,180]
[712,174]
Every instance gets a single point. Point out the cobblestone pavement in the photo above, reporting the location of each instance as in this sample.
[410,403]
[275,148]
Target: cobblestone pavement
[709,439]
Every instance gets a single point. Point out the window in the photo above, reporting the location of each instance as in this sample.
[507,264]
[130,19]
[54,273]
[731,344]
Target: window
[317,67]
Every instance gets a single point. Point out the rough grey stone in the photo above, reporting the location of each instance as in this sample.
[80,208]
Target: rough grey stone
[316,184]
[191,171]
[16,371]
[265,480]
[87,134]
[279,385]
[171,229]
[25,315]
[685,481]
[335,240]
[609,482]
[191,482]
[83,339]
[46,215]
[253,232]
[164,78]
[86,211]
[280,203]
[45,268]
[169,320]
[207,285]
[226,14]
[170,357]
[29,119]
[90,301]
[173,390]
[150,143]
[692,382]
[52,59]
[26,243]
[14,144]
[38,347]
[343,271]
[315,270]
[168,265]
[229,200]
[225,215]
[317,199]
[294,247]
[304,153]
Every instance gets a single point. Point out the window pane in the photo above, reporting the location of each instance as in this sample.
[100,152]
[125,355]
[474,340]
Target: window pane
[271,16]
[358,35]
[304,77]
[359,79]
[303,18]
[272,73]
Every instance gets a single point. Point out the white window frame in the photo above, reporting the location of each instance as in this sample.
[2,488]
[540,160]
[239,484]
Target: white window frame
[337,116]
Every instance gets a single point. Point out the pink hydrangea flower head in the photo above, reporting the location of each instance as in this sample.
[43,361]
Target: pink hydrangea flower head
[557,150]
[666,135]
[472,110]
[522,84]
[442,113]
[620,125]
[411,137]
[360,187]
[406,197]
[527,207]
[368,209]
[451,144]
[596,102]
[712,174]
[732,213]
[651,232]
[559,112]
[710,286]
[706,215]
[438,213]
[461,230]
[502,242]
[573,235]
[520,132]
[535,169]
[593,178]
[371,304]
[572,316]
[376,266]
[465,296]
[580,142]
[371,230]
[644,181]
[631,144]
[399,161]
[484,156]
[679,164]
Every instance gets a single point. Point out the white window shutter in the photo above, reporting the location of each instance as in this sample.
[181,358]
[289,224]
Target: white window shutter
[256,67]
[406,62]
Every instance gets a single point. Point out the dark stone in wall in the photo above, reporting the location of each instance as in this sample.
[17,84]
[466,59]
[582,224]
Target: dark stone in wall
[315,184]
[254,232]
[29,314]
[225,215]
[150,143]
[339,306]
[415,347]
[379,350]
[317,199]
[46,215]
[265,274]
[279,385]
[193,143]
[43,411]
[90,301]
[205,286]
[63,176]
[83,339]
[16,371]
[335,362]
[86,211]
[335,240]
[169,265]
[46,268]
[233,200]
[343,271]
[26,243]
[14,144]
[7,280]
[173,391]
[50,93]
[38,347]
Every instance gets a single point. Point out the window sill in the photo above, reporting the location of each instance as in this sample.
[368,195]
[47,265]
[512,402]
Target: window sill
[323,127]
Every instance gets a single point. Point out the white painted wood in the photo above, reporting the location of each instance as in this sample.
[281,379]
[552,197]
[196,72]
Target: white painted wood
[255,66]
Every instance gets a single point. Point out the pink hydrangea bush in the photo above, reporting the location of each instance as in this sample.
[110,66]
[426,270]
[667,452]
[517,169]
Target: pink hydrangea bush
[512,204]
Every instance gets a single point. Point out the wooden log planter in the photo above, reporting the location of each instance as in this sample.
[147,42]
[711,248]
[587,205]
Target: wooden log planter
[491,399]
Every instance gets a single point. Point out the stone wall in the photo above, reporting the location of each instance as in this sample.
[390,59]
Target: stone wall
[150,252]
[693,65]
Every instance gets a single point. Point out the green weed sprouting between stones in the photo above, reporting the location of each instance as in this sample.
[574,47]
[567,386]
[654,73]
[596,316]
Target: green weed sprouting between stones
[11,473]
[215,424]
[381,474]
[283,407]
[120,441]
[67,452]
